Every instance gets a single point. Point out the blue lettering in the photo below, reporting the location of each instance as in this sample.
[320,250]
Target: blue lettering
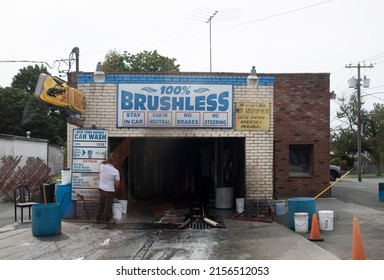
[126,100]
[165,104]
[177,103]
[153,102]
[188,105]
[211,102]
[223,101]
[97,137]
[200,103]
[140,100]
[80,136]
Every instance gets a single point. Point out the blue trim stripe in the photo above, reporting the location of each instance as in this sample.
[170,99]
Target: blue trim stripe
[236,80]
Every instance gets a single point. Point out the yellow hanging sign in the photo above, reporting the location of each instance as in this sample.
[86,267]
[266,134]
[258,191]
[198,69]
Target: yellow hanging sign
[55,92]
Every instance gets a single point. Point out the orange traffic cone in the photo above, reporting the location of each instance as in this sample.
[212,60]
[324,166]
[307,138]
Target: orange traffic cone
[315,232]
[357,241]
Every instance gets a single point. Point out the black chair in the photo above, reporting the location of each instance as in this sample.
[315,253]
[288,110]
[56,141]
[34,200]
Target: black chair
[22,199]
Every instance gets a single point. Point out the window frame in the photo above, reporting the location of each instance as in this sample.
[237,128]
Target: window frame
[301,150]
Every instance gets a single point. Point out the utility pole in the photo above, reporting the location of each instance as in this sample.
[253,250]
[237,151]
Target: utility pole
[357,86]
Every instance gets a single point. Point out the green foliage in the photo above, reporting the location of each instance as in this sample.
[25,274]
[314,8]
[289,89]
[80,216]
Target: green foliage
[20,111]
[12,104]
[343,163]
[146,61]
[344,139]
[27,77]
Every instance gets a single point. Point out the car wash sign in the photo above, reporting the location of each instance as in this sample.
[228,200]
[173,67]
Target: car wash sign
[174,106]
[89,149]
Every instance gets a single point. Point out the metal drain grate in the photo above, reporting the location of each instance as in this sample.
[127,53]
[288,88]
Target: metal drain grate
[155,226]
[200,225]
[140,226]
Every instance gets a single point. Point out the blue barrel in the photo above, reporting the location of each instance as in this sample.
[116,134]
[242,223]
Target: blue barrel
[64,197]
[301,204]
[46,219]
[381,191]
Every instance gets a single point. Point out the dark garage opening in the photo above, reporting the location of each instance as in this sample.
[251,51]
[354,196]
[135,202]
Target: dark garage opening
[181,170]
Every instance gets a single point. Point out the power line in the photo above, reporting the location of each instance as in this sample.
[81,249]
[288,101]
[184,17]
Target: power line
[277,15]
[73,58]
[29,61]
[229,27]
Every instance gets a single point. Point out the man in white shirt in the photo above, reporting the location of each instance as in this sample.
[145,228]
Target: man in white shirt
[109,183]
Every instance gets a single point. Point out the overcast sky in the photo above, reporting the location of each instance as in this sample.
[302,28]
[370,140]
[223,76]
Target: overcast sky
[276,36]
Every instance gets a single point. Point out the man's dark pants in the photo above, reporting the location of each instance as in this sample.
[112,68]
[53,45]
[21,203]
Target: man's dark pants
[105,205]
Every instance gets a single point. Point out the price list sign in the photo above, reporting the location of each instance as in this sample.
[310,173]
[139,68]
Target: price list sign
[89,149]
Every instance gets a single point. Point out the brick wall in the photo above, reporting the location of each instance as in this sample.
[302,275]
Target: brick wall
[101,112]
[300,106]
[301,117]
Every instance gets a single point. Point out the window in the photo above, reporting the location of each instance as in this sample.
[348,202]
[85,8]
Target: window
[300,160]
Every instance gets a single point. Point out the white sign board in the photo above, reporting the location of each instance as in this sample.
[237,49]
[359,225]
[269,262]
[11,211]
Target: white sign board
[89,149]
[175,105]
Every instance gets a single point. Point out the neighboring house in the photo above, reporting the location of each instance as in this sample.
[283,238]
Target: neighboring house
[12,145]
[368,164]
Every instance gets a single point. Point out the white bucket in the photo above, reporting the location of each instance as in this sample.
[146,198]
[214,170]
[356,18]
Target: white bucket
[124,203]
[326,220]
[301,222]
[66,177]
[224,198]
[280,208]
[117,210]
[240,205]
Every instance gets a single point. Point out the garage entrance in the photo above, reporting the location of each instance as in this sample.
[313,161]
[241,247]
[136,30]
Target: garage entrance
[181,169]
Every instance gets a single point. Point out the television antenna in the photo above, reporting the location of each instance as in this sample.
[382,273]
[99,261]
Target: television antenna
[207,15]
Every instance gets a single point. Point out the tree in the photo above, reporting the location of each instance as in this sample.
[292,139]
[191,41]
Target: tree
[375,135]
[27,77]
[146,61]
[12,104]
[344,138]
[20,111]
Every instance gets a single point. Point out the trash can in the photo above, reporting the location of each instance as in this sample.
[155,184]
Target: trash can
[46,219]
[64,197]
[381,191]
[301,204]
[49,193]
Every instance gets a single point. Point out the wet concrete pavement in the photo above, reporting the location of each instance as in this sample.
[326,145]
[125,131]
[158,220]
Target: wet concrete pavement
[239,240]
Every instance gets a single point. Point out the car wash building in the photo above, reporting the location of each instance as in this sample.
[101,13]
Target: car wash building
[211,136]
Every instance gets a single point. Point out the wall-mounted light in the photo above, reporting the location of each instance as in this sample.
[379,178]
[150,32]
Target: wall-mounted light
[332,95]
[99,75]
[252,78]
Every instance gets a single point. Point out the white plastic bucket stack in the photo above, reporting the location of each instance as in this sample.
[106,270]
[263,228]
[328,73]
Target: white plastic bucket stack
[326,220]
[117,210]
[280,208]
[240,205]
[66,176]
[124,203]
[301,222]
